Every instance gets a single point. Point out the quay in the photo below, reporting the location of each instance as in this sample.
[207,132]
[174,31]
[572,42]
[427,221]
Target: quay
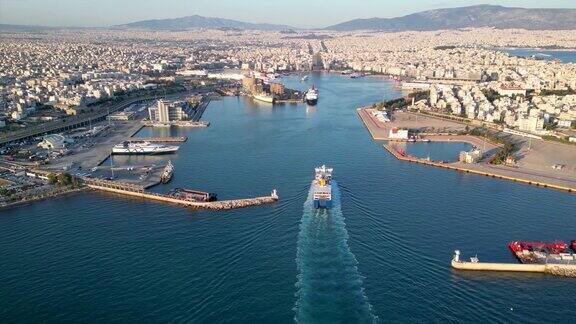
[140,192]
[183,123]
[493,172]
[380,131]
[201,109]
[177,139]
[564,270]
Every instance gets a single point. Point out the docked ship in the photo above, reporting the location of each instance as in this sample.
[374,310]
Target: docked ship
[143,148]
[167,173]
[542,253]
[264,98]
[312,96]
[322,187]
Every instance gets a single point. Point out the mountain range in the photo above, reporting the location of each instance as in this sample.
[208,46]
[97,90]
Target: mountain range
[466,17]
[199,22]
[452,18]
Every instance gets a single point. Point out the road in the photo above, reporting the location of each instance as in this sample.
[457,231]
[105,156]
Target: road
[83,120]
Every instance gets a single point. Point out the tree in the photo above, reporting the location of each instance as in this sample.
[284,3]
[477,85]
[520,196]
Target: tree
[64,179]
[52,179]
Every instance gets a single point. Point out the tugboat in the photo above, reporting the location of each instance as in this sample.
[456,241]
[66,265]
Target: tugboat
[312,96]
[322,188]
[167,173]
[541,253]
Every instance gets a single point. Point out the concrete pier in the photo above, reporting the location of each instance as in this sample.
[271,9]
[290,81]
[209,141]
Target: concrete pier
[564,270]
[176,139]
[138,191]
[478,169]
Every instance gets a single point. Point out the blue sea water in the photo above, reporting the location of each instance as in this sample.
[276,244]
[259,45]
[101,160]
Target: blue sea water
[96,257]
[329,287]
[565,56]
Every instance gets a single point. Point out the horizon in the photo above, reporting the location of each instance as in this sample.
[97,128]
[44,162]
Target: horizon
[97,14]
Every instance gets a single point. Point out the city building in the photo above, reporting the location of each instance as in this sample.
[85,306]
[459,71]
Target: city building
[166,113]
[470,157]
[277,89]
[398,134]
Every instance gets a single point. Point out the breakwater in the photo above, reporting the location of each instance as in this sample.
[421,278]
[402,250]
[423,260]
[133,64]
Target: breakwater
[140,192]
[563,270]
[498,174]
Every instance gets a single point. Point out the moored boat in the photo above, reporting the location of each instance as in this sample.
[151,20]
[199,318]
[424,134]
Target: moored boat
[143,148]
[167,173]
[541,252]
[264,98]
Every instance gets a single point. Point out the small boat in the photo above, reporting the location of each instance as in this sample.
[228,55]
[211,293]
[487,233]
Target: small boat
[304,78]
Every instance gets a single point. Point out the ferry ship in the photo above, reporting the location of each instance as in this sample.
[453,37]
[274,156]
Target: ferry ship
[135,148]
[264,97]
[167,173]
[322,187]
[312,96]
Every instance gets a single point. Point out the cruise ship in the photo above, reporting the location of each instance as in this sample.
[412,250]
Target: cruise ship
[134,148]
[322,187]
[312,96]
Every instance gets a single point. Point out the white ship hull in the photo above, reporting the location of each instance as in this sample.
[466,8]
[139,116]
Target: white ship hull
[322,188]
[264,98]
[143,149]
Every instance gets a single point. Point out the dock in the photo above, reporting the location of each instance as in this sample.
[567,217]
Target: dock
[175,139]
[201,109]
[181,123]
[140,192]
[563,270]
[511,175]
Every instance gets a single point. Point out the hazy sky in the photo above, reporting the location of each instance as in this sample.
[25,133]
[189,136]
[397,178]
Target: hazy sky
[298,13]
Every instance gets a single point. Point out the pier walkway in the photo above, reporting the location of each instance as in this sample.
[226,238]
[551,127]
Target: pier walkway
[563,270]
[140,192]
[492,171]
[176,139]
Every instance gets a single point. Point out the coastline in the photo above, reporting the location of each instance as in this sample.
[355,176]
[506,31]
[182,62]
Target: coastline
[529,177]
[53,194]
